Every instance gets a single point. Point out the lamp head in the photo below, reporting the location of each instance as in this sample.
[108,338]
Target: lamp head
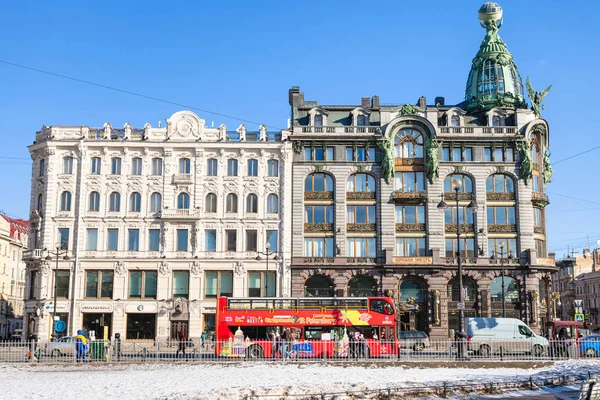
[48,258]
[442,205]
[276,258]
[57,245]
[472,206]
[501,245]
[267,245]
[456,184]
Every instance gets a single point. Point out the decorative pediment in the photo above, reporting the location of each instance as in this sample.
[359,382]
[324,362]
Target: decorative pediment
[185,125]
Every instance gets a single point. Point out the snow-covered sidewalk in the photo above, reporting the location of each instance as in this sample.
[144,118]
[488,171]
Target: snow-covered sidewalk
[232,381]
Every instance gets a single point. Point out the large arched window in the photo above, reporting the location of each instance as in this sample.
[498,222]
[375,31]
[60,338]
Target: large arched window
[318,286]
[183,201]
[499,183]
[469,286]
[65,201]
[252,203]
[408,144]
[135,202]
[155,202]
[318,182]
[362,286]
[360,183]
[231,203]
[272,204]
[511,290]
[94,203]
[465,183]
[114,202]
[412,288]
[211,203]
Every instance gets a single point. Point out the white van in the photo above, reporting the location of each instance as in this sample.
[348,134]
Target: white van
[487,336]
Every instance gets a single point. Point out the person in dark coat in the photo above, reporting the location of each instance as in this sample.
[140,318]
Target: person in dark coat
[181,340]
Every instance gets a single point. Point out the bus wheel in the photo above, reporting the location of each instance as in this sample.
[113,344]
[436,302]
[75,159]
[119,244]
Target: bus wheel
[255,351]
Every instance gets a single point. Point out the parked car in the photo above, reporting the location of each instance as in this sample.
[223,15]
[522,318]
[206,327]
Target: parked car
[590,346]
[63,346]
[416,340]
[487,336]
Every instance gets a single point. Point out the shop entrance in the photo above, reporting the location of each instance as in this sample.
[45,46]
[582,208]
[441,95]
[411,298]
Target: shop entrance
[93,325]
[176,326]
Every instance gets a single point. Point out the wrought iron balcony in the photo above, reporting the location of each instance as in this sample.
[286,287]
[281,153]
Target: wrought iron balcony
[320,227]
[502,228]
[462,196]
[500,196]
[540,199]
[361,227]
[410,227]
[360,195]
[318,195]
[464,228]
[410,197]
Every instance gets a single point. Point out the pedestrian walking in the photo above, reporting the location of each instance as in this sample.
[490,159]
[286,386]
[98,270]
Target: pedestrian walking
[181,346]
[203,338]
[286,343]
[213,338]
[81,346]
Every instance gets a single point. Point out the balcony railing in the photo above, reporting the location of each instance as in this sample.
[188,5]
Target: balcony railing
[540,199]
[410,197]
[360,195]
[539,229]
[180,214]
[478,129]
[464,228]
[34,254]
[182,178]
[319,227]
[502,228]
[451,196]
[318,195]
[500,196]
[361,227]
[410,227]
[339,129]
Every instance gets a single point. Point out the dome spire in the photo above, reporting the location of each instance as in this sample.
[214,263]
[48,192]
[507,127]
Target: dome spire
[494,80]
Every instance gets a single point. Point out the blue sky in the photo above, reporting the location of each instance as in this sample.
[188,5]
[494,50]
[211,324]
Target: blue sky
[240,59]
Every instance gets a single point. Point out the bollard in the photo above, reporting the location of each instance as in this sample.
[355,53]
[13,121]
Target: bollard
[445,392]
[117,347]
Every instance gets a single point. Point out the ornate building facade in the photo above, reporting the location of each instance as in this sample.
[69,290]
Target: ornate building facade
[138,231]
[369,180]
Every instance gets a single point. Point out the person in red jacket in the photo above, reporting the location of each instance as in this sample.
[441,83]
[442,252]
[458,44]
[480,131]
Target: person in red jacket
[181,347]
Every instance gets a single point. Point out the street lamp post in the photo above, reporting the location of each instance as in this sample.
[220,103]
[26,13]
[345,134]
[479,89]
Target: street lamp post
[57,253]
[267,254]
[555,297]
[501,245]
[472,207]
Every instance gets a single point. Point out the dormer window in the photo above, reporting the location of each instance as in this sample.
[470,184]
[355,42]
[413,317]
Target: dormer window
[455,120]
[361,120]
[318,121]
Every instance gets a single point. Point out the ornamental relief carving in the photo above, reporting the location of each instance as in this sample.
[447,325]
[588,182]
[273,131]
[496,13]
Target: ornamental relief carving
[318,195]
[321,227]
[501,228]
[409,227]
[500,196]
[464,228]
[361,227]
[461,196]
[360,195]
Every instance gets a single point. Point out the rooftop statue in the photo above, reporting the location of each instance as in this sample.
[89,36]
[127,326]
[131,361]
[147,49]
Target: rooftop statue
[387,160]
[537,98]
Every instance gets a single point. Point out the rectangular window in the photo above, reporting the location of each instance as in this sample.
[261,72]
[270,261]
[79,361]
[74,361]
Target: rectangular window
[319,154]
[260,283]
[42,171]
[63,237]
[154,240]
[181,284]
[113,240]
[251,240]
[68,165]
[487,154]
[33,285]
[136,166]
[538,217]
[330,153]
[308,154]
[468,154]
[350,154]
[134,240]
[184,166]
[464,215]
[361,214]
[445,154]
[501,215]
[230,240]
[62,283]
[410,214]
[272,239]
[510,247]
[99,284]
[210,240]
[498,154]
[92,239]
[252,167]
[212,166]
[218,283]
[509,155]
[467,247]
[318,214]
[536,183]
[540,248]
[410,247]
[141,326]
[232,167]
[273,168]
[96,165]
[157,166]
[361,247]
[410,181]
[318,247]
[115,166]
[142,284]
[371,154]
[182,239]
[456,154]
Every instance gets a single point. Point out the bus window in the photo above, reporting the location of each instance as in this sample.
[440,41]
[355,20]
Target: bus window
[382,307]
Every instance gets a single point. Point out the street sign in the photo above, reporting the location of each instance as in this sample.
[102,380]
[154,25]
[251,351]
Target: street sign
[579,318]
[578,302]
[460,306]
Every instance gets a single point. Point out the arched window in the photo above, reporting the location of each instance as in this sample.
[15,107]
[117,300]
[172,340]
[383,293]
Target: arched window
[94,204]
[360,183]
[211,203]
[39,202]
[411,288]
[318,120]
[511,290]
[318,182]
[499,183]
[362,286]
[272,204]
[409,144]
[231,204]
[496,121]
[465,183]
[183,201]
[135,202]
[155,202]
[455,120]
[252,203]
[65,201]
[114,202]
[318,286]
[469,286]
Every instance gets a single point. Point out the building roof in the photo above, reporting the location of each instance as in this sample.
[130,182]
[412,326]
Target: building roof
[19,228]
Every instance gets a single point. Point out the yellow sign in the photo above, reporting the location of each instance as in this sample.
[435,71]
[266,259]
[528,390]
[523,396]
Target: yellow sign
[105,336]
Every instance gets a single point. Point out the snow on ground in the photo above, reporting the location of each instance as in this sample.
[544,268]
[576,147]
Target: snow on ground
[230,381]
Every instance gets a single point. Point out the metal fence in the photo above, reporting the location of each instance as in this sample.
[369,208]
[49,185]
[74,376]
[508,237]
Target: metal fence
[300,351]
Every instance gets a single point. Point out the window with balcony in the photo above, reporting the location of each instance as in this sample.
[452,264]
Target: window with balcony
[182,239]
[63,237]
[157,166]
[272,204]
[318,214]
[540,248]
[115,166]
[410,214]
[61,283]
[495,249]
[272,239]
[181,284]
[361,120]
[67,165]
[252,167]
[252,203]
[142,284]
[92,239]
[155,202]
[212,167]
[467,247]
[134,240]
[231,203]
[136,166]
[113,239]
[211,203]
[153,239]
[218,283]
[99,284]
[261,284]
[361,214]
[273,168]
[500,215]
[318,247]
[210,240]
[135,202]
[499,183]
[185,166]
[408,144]
[96,163]
[410,181]
[114,202]
[65,201]
[536,183]
[183,201]
[232,167]
[466,184]
[361,247]
[251,240]
[360,182]
[410,247]
[538,217]
[94,202]
[230,240]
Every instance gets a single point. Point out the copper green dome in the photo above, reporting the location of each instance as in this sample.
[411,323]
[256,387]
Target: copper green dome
[494,80]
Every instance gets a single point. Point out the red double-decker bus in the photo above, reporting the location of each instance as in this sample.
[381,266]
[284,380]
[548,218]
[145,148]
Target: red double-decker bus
[316,327]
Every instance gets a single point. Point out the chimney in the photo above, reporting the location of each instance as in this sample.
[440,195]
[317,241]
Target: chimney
[295,97]
[440,101]
[375,102]
[364,102]
[422,102]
